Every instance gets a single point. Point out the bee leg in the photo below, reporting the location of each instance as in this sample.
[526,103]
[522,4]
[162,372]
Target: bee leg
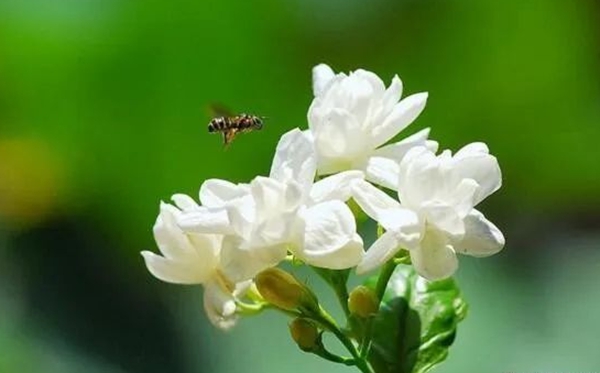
[228,137]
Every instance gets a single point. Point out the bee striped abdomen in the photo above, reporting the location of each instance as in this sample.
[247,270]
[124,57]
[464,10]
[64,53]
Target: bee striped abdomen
[219,124]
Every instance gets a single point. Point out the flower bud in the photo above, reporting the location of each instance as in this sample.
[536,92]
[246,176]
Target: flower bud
[363,302]
[305,334]
[284,291]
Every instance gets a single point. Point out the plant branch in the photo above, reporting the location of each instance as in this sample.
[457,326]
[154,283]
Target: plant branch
[384,277]
[327,322]
[334,358]
[365,343]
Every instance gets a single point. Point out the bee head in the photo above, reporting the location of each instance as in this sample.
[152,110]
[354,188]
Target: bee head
[259,122]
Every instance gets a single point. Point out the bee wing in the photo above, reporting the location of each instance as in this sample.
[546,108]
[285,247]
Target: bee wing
[219,110]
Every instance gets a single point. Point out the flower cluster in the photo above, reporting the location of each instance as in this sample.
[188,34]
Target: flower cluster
[300,210]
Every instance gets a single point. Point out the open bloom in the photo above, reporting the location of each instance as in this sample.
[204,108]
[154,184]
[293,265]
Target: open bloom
[353,115]
[193,259]
[435,218]
[285,212]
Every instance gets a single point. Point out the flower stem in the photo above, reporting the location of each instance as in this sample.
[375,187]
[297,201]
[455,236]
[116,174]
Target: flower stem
[327,322]
[365,344]
[249,309]
[342,295]
[334,358]
[384,277]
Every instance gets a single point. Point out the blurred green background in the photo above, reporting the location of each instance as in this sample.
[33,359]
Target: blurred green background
[103,114]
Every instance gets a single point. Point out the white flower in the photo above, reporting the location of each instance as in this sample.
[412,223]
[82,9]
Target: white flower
[193,259]
[353,115]
[286,211]
[436,217]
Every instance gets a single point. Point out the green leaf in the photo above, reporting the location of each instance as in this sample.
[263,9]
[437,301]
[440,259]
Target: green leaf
[416,322]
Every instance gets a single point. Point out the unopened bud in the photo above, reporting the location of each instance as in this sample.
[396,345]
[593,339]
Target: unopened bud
[284,291]
[305,334]
[363,302]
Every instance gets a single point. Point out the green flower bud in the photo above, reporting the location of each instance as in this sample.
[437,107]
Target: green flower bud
[284,291]
[363,302]
[305,334]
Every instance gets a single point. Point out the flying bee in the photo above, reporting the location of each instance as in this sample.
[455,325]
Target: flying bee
[230,125]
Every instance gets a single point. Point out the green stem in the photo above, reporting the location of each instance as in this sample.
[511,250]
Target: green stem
[329,324]
[325,320]
[384,277]
[365,344]
[250,309]
[382,281]
[403,259]
[342,295]
[334,358]
[293,314]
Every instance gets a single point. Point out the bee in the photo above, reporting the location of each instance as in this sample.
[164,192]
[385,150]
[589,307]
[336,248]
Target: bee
[230,125]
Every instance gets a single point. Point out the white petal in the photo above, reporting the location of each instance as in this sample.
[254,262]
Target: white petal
[295,159]
[330,239]
[364,91]
[184,202]
[169,238]
[376,85]
[463,198]
[219,306]
[206,246]
[175,272]
[345,256]
[444,217]
[380,252]
[387,212]
[421,179]
[482,238]
[175,245]
[335,187]
[269,195]
[383,171]
[240,264]
[405,224]
[321,75]
[172,242]
[403,114]
[371,200]
[294,196]
[277,229]
[435,259]
[474,162]
[432,145]
[242,215]
[267,192]
[205,220]
[216,192]
[337,134]
[398,150]
[473,148]
[392,94]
